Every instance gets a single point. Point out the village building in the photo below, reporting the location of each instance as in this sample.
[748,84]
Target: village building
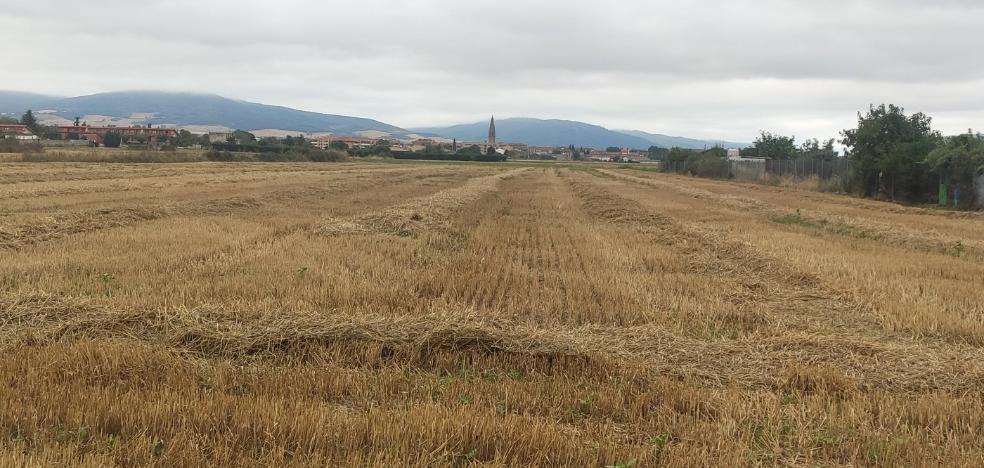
[422,144]
[322,142]
[355,142]
[14,129]
[17,132]
[219,137]
[519,149]
[97,135]
[399,147]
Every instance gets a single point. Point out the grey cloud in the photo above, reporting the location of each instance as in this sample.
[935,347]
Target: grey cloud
[708,69]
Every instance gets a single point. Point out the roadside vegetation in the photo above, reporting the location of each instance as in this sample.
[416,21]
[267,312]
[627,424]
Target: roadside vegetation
[890,155]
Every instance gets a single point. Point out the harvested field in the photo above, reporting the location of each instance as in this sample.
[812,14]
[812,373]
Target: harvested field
[426,314]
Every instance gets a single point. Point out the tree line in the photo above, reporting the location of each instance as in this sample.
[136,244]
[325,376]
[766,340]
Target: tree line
[893,155]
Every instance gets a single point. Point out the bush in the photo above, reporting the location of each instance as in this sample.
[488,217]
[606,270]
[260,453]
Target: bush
[115,157]
[834,184]
[158,157]
[292,156]
[491,157]
[216,155]
[327,156]
[268,152]
[112,140]
[709,166]
[11,145]
[451,157]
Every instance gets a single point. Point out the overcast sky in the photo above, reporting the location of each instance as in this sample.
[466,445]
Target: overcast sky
[709,69]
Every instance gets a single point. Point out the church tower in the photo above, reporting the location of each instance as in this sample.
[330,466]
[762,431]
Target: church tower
[492,133]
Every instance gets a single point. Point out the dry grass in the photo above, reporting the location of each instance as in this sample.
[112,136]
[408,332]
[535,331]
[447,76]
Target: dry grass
[427,213]
[110,155]
[455,315]
[864,227]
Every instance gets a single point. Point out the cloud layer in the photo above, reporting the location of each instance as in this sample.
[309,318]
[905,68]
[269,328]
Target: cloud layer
[713,69]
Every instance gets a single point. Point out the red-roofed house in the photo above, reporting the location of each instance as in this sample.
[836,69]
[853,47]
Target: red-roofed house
[98,134]
[355,142]
[16,131]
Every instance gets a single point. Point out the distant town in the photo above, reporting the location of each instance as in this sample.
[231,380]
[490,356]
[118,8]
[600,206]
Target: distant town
[80,133]
[937,168]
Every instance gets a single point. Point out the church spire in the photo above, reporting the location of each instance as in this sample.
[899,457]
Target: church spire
[492,133]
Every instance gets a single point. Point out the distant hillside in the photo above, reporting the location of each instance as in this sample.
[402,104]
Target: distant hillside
[208,110]
[193,109]
[16,103]
[666,141]
[542,133]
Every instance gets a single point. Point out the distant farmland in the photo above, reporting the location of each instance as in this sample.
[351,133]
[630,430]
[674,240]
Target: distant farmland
[433,314]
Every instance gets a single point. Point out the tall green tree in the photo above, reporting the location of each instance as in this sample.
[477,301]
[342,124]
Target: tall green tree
[814,149]
[657,154]
[678,155]
[888,149]
[30,121]
[48,132]
[185,139]
[772,146]
[472,150]
[381,147]
[243,138]
[112,140]
[957,162]
[716,151]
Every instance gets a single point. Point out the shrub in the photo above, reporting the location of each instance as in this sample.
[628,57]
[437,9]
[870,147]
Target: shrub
[216,155]
[11,145]
[451,157]
[114,157]
[708,166]
[292,156]
[327,156]
[112,140]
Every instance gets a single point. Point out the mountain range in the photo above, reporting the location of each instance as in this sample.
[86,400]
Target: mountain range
[539,132]
[183,109]
[208,111]
[666,141]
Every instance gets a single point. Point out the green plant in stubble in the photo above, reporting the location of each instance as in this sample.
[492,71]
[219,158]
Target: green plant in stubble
[659,442]
[157,447]
[583,407]
[463,459]
[107,279]
[623,464]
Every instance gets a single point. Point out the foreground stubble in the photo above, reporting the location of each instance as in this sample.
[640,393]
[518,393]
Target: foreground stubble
[452,315]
